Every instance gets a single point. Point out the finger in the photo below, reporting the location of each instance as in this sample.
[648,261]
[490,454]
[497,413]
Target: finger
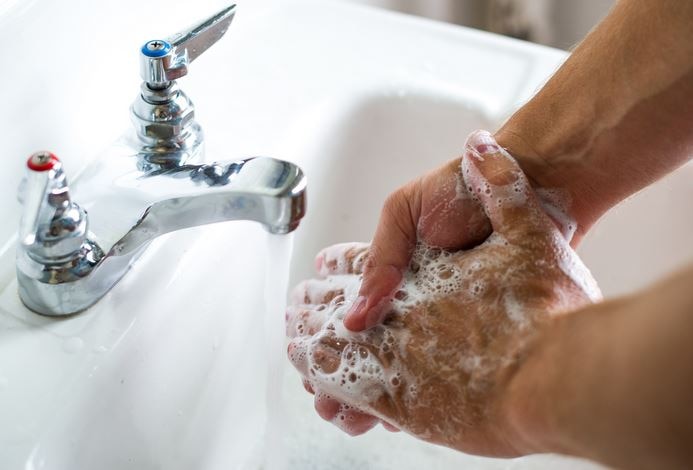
[316,358]
[450,217]
[319,291]
[501,187]
[326,355]
[305,320]
[388,257]
[308,386]
[347,418]
[353,421]
[390,427]
[326,406]
[297,351]
[344,258]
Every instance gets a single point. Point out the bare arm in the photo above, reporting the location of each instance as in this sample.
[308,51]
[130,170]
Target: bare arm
[618,115]
[614,381]
[511,356]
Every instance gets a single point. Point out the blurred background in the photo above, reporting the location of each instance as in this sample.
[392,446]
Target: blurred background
[557,23]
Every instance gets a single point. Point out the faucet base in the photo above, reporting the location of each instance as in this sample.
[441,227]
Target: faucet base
[167,133]
[59,289]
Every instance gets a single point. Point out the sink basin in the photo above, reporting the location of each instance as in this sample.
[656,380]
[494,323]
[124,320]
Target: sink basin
[152,367]
[179,366]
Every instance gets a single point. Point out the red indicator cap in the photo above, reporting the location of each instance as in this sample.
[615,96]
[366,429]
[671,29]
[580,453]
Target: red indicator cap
[42,161]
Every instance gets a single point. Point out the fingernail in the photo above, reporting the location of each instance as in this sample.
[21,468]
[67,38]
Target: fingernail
[358,307]
[497,168]
[484,149]
[483,143]
[374,316]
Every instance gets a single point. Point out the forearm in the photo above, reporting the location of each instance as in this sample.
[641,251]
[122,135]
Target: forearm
[614,382]
[618,114]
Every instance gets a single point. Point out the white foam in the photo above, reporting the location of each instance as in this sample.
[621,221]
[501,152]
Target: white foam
[360,375]
[573,267]
[433,274]
[556,203]
[343,258]
[515,310]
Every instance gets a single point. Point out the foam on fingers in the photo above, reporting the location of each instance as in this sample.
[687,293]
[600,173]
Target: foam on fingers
[367,374]
[304,320]
[298,354]
[504,192]
[320,291]
[326,406]
[343,258]
[346,417]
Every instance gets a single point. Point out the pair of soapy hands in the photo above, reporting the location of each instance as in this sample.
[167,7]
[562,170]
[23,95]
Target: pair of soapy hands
[428,340]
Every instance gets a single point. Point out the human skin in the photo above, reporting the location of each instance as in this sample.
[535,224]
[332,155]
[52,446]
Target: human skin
[461,326]
[613,382]
[614,118]
[512,359]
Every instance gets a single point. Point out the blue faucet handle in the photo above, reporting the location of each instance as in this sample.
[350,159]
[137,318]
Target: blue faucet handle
[156,48]
[162,61]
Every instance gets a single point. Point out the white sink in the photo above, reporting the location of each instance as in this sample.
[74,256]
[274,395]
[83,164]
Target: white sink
[170,369]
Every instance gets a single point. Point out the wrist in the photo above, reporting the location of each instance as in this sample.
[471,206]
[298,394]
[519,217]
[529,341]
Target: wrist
[606,382]
[529,422]
[555,161]
[551,394]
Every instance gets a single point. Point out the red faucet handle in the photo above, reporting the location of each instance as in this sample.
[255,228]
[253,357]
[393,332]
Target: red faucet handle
[42,161]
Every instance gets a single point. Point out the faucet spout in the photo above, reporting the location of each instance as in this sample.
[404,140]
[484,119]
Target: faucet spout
[264,190]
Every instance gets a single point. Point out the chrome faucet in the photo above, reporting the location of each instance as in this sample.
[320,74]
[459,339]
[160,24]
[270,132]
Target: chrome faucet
[69,256]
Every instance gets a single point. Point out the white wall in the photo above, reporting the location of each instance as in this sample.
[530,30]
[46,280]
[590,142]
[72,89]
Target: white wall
[567,21]
[572,20]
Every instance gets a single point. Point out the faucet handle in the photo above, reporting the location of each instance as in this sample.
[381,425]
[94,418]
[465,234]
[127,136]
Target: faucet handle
[52,227]
[164,60]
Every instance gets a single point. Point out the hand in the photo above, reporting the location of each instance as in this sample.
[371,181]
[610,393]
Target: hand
[438,210]
[456,330]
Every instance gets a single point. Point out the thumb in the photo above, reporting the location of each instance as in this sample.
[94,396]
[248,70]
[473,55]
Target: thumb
[503,190]
[389,255]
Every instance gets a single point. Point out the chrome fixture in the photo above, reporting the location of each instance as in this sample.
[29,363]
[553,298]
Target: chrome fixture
[69,256]
[163,115]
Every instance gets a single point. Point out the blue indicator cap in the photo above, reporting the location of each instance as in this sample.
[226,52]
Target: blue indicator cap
[156,48]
